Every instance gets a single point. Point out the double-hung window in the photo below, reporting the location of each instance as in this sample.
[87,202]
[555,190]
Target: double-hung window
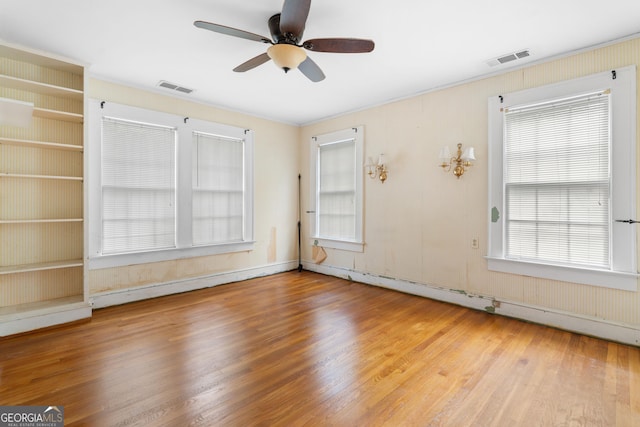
[562,172]
[218,188]
[336,168]
[138,186]
[164,187]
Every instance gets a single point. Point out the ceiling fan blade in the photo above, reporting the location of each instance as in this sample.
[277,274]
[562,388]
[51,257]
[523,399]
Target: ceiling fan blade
[231,31]
[339,45]
[311,70]
[294,17]
[252,63]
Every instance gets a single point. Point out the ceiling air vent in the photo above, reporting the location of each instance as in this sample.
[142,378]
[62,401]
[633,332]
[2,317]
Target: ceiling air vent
[173,86]
[503,59]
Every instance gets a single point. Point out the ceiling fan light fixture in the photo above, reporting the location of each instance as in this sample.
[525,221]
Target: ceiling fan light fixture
[286,56]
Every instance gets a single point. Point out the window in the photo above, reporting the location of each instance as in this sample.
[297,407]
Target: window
[556,177]
[336,168]
[218,189]
[165,187]
[562,162]
[138,186]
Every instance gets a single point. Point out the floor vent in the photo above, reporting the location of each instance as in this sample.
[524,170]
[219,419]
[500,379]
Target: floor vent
[172,86]
[503,59]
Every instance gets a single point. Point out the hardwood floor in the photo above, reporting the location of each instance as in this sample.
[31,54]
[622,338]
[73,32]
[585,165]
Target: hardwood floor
[306,349]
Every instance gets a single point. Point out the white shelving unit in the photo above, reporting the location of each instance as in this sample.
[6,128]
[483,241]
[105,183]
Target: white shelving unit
[42,203]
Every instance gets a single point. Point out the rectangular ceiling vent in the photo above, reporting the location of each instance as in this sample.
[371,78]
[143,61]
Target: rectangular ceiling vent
[503,59]
[172,86]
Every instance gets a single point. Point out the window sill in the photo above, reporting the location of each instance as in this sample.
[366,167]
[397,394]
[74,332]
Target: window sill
[119,260]
[602,278]
[339,244]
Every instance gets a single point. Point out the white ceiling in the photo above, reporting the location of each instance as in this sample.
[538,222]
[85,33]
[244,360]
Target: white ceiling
[420,45]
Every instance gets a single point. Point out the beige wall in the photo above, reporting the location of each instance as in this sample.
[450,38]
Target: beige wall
[276,194]
[420,223]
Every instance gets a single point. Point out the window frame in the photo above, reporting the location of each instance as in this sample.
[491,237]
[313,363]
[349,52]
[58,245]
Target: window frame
[356,134]
[623,273]
[183,163]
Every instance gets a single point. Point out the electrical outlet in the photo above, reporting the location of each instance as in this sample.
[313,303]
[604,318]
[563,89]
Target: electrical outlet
[475,244]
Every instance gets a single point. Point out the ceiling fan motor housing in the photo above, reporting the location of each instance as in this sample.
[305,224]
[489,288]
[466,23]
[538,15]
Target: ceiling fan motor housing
[274,28]
[278,36]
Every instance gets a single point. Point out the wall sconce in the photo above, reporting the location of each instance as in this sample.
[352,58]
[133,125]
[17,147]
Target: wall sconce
[459,162]
[377,170]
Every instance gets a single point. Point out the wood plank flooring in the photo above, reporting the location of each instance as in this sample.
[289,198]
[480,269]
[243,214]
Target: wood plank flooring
[303,349]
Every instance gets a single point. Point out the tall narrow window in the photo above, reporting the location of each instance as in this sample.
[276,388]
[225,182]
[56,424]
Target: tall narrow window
[336,208]
[337,186]
[138,186]
[218,189]
[557,181]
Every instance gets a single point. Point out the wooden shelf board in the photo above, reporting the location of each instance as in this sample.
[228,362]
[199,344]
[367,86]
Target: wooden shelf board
[57,115]
[18,175]
[43,88]
[39,144]
[39,221]
[42,266]
[35,308]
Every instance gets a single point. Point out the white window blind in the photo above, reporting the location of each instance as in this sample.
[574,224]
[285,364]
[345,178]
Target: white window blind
[218,189]
[138,186]
[336,204]
[557,181]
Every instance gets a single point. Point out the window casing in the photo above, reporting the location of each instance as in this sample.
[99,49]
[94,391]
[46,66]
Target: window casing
[562,170]
[336,185]
[164,187]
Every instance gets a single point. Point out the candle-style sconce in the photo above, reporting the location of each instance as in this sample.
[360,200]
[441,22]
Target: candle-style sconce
[459,163]
[378,170]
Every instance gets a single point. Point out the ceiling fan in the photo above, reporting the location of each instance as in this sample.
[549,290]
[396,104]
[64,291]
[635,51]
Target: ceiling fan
[287,49]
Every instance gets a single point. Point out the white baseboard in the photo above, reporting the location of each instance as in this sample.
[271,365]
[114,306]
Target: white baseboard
[106,299]
[623,333]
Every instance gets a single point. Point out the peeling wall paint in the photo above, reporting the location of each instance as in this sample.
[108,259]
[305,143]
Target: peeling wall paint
[420,224]
[272,249]
[275,195]
[495,214]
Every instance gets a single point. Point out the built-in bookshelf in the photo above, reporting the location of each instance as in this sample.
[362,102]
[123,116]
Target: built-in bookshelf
[42,225]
